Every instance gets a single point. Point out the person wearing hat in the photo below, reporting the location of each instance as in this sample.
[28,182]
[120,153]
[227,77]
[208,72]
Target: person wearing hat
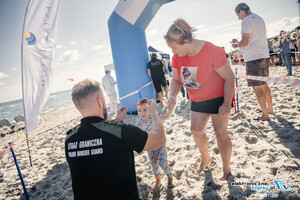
[155,69]
[108,83]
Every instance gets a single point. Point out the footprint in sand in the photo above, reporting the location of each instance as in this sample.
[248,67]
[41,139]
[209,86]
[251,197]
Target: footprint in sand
[172,163]
[178,173]
[274,170]
[251,139]
[216,150]
[188,134]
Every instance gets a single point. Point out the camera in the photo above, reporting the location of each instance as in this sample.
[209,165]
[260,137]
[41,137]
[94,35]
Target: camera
[284,34]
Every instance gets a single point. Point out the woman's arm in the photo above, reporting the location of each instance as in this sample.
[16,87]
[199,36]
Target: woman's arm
[227,74]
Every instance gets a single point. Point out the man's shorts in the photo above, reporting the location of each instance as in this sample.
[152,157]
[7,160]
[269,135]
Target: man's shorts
[209,106]
[259,67]
[158,83]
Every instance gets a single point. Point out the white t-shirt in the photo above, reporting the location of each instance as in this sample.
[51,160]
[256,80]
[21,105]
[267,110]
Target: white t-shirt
[257,47]
[109,83]
[276,44]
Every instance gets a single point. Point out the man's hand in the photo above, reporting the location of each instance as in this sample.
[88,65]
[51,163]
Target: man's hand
[151,106]
[171,102]
[234,41]
[121,113]
[234,46]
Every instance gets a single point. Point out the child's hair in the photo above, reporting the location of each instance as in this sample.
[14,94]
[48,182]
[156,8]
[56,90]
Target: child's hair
[183,29]
[143,100]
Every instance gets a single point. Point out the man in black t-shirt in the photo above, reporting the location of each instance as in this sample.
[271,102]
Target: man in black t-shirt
[100,153]
[155,70]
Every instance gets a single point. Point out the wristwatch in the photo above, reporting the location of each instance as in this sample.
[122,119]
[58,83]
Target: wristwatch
[227,106]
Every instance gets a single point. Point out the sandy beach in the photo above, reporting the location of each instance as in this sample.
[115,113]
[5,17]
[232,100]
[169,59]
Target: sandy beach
[262,152]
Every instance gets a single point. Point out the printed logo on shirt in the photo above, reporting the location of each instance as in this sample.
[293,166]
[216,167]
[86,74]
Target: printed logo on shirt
[155,63]
[76,147]
[189,77]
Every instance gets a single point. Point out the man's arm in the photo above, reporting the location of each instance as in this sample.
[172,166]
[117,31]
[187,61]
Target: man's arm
[287,38]
[156,137]
[244,42]
[103,85]
[149,73]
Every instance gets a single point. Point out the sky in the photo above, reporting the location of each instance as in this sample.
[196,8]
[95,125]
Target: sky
[83,45]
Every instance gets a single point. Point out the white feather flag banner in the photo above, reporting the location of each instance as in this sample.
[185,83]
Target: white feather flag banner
[38,51]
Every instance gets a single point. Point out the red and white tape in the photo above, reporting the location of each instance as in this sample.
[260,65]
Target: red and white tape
[132,93]
[6,151]
[286,81]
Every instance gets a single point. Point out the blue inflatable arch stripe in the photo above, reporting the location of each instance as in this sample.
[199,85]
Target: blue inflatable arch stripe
[130,54]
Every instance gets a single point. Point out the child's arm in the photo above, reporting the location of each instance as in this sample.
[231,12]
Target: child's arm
[167,115]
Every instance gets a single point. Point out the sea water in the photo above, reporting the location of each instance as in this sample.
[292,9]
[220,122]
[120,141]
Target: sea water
[56,101]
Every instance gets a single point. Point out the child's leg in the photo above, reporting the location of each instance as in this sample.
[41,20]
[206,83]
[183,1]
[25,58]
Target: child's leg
[170,181]
[158,182]
[155,168]
[161,154]
[163,162]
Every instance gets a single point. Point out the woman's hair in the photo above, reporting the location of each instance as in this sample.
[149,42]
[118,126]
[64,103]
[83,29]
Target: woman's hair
[183,29]
[143,100]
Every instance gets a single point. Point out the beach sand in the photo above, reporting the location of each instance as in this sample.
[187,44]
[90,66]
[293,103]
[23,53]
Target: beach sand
[262,152]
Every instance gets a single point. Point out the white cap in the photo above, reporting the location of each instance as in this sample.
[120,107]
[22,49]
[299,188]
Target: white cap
[107,70]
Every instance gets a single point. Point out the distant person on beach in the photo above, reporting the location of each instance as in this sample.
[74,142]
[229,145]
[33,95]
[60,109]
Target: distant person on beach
[155,69]
[296,47]
[293,47]
[158,156]
[108,83]
[100,153]
[256,54]
[271,53]
[212,98]
[285,41]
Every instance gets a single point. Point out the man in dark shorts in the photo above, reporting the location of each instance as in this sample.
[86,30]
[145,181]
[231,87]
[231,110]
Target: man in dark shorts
[155,69]
[100,153]
[256,55]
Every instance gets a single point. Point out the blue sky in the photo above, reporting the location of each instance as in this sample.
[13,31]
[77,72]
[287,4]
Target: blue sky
[83,46]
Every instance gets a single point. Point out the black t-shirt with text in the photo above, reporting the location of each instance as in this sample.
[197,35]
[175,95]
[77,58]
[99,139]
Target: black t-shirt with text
[101,160]
[156,69]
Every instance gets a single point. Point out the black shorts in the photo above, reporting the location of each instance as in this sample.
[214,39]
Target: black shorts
[259,67]
[209,106]
[158,83]
[293,54]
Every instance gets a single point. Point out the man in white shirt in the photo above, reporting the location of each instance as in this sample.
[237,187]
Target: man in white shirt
[256,55]
[108,83]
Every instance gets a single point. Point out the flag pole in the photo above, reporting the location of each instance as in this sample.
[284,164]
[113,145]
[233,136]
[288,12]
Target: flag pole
[25,120]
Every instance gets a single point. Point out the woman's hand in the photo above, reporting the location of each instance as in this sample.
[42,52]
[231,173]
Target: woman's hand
[224,110]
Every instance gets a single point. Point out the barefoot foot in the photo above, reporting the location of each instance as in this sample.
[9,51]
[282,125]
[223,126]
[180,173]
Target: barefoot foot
[225,176]
[170,181]
[203,164]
